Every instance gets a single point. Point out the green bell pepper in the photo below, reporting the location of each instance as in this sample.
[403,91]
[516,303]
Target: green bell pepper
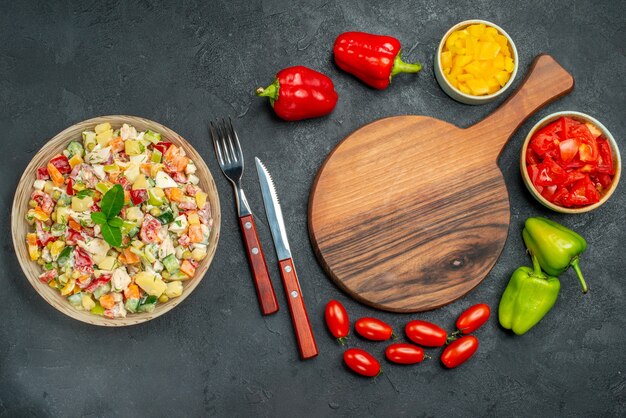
[528,297]
[556,247]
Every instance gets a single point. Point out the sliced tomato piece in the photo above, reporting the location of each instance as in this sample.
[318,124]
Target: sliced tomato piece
[604,180]
[548,192]
[588,146]
[550,173]
[532,157]
[573,177]
[605,160]
[583,193]
[568,149]
[559,196]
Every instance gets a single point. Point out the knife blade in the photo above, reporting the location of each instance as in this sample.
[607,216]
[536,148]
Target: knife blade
[297,308]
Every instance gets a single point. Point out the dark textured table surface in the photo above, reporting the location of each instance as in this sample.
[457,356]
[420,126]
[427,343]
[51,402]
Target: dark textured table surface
[186,62]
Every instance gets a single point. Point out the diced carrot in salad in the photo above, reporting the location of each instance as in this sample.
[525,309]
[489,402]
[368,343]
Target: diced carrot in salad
[165,221]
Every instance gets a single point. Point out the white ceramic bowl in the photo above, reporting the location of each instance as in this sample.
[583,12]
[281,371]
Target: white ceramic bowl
[457,94]
[617,161]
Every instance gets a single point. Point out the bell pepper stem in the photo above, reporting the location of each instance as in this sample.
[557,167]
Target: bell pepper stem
[536,266]
[270,91]
[400,66]
[579,273]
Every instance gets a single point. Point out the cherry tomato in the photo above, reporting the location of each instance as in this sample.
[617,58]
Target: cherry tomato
[373,329]
[473,318]
[337,320]
[426,334]
[459,351]
[361,362]
[404,353]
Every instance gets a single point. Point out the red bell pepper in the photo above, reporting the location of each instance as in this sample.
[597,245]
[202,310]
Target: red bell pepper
[374,59]
[42,173]
[300,93]
[61,163]
[163,146]
[69,189]
[138,196]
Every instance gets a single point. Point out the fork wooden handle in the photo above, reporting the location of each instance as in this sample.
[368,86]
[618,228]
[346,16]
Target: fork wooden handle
[260,274]
[299,316]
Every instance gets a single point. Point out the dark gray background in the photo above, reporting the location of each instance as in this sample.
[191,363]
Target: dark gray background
[187,62]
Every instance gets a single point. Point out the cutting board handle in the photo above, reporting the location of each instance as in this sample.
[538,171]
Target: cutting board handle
[546,81]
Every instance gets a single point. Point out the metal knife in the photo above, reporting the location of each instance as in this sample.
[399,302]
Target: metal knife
[299,316]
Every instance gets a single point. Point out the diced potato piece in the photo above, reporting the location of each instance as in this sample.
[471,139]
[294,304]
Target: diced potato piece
[33,252]
[201,198]
[150,283]
[174,289]
[102,127]
[132,147]
[140,182]
[75,160]
[198,254]
[106,263]
[193,218]
[104,137]
[81,205]
[87,302]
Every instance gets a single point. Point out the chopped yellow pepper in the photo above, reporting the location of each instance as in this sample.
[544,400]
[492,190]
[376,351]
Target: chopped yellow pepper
[477,60]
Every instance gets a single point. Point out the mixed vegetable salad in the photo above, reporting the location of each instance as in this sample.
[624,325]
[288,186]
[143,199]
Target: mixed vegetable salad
[119,221]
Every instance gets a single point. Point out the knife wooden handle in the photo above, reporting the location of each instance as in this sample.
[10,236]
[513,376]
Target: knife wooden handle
[299,316]
[260,274]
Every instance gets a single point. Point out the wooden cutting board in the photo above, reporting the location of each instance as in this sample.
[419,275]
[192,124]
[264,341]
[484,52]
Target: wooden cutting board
[409,213]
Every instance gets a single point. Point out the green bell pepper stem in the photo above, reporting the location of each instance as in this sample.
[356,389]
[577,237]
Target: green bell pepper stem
[270,91]
[579,273]
[400,66]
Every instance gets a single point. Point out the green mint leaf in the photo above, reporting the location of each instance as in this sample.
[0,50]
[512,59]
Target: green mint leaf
[112,201]
[99,218]
[112,235]
[84,193]
[116,222]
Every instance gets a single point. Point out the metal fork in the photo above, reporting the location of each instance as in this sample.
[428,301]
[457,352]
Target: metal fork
[230,159]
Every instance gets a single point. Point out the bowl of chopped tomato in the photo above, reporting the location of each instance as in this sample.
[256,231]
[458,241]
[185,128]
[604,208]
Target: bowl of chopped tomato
[570,162]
